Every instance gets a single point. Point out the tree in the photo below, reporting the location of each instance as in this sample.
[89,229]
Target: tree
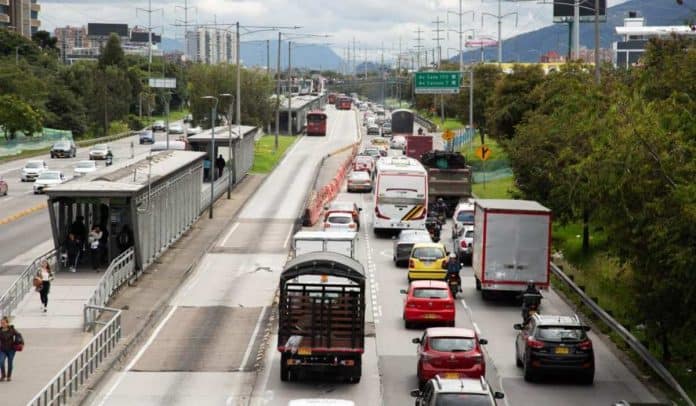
[16,115]
[44,40]
[65,110]
[511,100]
[112,54]
[109,98]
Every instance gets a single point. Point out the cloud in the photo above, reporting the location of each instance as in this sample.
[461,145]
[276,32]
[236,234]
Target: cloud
[371,23]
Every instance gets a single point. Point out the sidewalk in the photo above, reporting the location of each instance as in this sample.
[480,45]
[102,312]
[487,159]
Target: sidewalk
[55,337]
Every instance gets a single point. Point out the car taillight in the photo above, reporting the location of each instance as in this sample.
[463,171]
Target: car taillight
[351,225]
[463,244]
[534,343]
[585,345]
[411,305]
[425,357]
[449,305]
[478,358]
[379,214]
[411,263]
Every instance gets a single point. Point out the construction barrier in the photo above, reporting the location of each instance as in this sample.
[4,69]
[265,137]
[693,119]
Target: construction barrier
[328,192]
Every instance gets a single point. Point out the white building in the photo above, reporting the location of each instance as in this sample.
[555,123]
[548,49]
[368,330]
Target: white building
[211,46]
[635,36]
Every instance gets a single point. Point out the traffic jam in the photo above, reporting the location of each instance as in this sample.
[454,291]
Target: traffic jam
[406,191]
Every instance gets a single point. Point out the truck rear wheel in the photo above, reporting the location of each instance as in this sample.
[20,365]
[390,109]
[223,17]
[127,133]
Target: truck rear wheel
[284,369]
[356,372]
[478,284]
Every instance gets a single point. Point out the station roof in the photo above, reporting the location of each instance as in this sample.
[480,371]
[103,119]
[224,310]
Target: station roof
[221,134]
[297,102]
[128,178]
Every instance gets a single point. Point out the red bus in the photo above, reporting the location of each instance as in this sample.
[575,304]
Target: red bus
[316,123]
[332,98]
[344,103]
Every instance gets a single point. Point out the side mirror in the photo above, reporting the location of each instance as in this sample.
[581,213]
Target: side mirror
[416,341]
[517,326]
[483,341]
[499,395]
[415,393]
[403,291]
[359,208]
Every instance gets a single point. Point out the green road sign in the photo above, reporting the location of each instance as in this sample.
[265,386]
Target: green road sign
[438,82]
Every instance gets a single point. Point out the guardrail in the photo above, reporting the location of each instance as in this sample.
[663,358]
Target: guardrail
[632,342]
[220,188]
[424,122]
[15,294]
[119,272]
[68,381]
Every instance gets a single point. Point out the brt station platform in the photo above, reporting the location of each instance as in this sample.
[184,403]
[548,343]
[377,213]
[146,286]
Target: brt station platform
[241,152]
[297,108]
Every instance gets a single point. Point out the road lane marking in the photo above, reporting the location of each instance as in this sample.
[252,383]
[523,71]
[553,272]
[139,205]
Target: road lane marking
[252,339]
[464,304]
[287,239]
[23,213]
[476,328]
[229,234]
[138,355]
[12,169]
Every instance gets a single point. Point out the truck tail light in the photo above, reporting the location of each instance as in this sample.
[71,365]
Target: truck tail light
[534,343]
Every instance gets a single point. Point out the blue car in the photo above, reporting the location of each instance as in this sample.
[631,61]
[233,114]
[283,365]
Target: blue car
[147,137]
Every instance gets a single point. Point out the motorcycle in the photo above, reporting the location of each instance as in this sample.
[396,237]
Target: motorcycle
[454,281]
[433,226]
[530,306]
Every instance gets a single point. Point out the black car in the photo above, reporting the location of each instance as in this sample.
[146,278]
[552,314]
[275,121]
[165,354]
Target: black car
[555,344]
[64,149]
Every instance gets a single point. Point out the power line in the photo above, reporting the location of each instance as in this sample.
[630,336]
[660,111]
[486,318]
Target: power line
[437,40]
[149,10]
[419,46]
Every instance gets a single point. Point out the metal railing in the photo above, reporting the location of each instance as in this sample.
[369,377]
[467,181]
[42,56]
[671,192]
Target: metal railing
[15,294]
[424,122]
[119,272]
[68,381]
[632,341]
[220,188]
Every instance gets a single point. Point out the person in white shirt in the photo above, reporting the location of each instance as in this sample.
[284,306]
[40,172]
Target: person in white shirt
[93,241]
[46,276]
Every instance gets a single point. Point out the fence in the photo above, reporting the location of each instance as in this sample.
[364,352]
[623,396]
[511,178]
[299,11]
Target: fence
[23,143]
[68,381]
[219,188]
[628,338]
[119,272]
[15,294]
[424,122]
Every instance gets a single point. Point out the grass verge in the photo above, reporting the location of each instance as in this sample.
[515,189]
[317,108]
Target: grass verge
[495,189]
[265,159]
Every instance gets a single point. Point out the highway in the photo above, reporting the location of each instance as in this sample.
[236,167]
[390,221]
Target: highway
[216,343]
[28,236]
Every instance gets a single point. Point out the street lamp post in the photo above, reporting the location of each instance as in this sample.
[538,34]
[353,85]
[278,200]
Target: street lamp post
[231,160]
[211,171]
[500,18]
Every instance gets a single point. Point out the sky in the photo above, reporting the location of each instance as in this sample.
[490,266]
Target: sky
[373,24]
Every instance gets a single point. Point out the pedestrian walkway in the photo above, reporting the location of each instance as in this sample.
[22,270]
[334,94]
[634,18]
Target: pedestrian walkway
[55,337]
[51,338]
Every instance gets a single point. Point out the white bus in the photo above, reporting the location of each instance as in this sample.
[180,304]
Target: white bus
[401,194]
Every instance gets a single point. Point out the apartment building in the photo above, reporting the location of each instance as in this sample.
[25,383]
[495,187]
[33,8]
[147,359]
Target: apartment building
[211,46]
[21,16]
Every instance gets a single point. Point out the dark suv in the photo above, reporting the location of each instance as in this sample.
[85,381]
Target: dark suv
[556,344]
[63,149]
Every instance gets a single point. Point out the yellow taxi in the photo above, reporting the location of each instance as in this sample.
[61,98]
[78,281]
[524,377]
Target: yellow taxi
[427,261]
[380,142]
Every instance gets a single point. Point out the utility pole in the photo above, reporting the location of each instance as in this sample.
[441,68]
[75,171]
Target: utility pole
[461,31]
[353,70]
[277,120]
[596,42]
[149,10]
[576,29]
[185,22]
[437,39]
[289,88]
[419,47]
[500,16]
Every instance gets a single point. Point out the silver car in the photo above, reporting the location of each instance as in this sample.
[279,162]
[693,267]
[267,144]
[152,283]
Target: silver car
[47,179]
[405,242]
[32,169]
[99,151]
[463,243]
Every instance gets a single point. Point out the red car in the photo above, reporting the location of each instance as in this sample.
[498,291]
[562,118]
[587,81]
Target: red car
[364,163]
[428,301]
[451,353]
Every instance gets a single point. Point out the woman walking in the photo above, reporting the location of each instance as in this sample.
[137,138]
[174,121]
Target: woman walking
[10,342]
[46,276]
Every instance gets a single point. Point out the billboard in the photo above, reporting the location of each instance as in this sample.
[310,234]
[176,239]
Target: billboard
[105,30]
[563,10]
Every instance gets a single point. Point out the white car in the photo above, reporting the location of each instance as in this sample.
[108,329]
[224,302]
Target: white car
[32,169]
[176,129]
[463,243]
[48,179]
[194,130]
[158,126]
[463,216]
[340,222]
[84,167]
[99,151]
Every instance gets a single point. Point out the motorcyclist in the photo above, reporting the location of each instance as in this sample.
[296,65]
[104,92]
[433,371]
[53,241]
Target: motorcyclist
[531,288]
[453,268]
[531,298]
[441,207]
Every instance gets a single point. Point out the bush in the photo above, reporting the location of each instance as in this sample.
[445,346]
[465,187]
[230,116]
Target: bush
[118,127]
[135,123]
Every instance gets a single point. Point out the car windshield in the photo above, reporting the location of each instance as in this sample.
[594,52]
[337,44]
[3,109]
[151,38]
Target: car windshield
[49,176]
[455,399]
[429,253]
[469,234]
[85,165]
[430,293]
[99,147]
[34,165]
[561,333]
[465,217]
[452,344]
[371,152]
[359,175]
[340,219]
[61,145]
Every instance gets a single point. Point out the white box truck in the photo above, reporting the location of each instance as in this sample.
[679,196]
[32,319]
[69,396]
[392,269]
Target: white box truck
[512,244]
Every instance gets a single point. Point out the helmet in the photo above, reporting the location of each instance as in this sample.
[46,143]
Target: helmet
[440,200]
[453,255]
[530,284]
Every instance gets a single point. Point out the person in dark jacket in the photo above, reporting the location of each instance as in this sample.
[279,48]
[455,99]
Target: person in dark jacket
[220,165]
[73,246]
[125,238]
[8,338]
[79,229]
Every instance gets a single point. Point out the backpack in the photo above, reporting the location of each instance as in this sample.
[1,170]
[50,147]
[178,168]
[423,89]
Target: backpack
[18,341]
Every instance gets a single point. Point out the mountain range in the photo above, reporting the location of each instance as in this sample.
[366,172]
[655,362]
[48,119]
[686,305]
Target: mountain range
[527,47]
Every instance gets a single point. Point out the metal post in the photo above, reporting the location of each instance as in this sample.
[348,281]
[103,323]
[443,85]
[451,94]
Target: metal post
[500,39]
[229,148]
[471,105]
[596,42]
[289,88]
[166,97]
[239,110]
[576,29]
[277,123]
[461,33]
[211,171]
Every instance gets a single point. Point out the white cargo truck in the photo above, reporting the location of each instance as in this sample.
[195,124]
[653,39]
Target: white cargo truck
[341,242]
[512,243]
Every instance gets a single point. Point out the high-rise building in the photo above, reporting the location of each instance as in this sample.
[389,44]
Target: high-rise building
[211,46]
[69,38]
[21,16]
[80,43]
